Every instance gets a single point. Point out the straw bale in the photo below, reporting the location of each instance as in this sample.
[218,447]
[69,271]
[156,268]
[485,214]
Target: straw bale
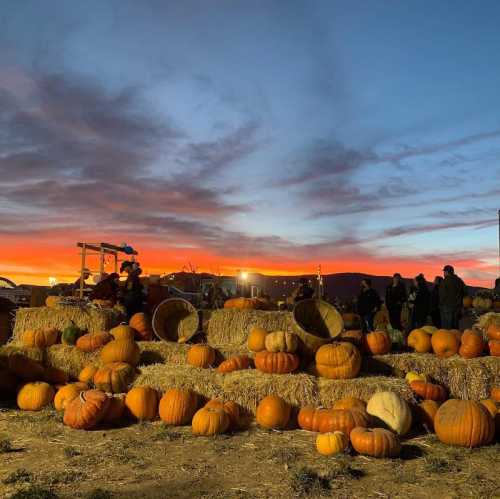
[469,379]
[70,359]
[89,319]
[231,326]
[6,351]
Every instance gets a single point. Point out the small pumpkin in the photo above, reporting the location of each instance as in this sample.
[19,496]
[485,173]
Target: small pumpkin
[55,376]
[256,341]
[67,393]
[495,393]
[429,391]
[236,363]
[350,403]
[273,413]
[344,420]
[91,342]
[420,341]
[35,396]
[281,341]
[375,442]
[354,336]
[310,418]
[53,301]
[123,332]
[445,343]
[210,421]
[71,334]
[87,410]
[25,368]
[472,344]
[142,325]
[87,373]
[142,403]
[392,410]
[232,409]
[121,351]
[351,321]
[276,363]
[494,348]
[464,423]
[114,377]
[328,444]
[429,329]
[177,406]
[244,303]
[201,356]
[377,343]
[115,410]
[413,376]
[338,361]
[40,338]
[426,412]
[493,331]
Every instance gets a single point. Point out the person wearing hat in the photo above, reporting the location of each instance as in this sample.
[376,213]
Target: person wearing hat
[451,293]
[107,288]
[84,276]
[133,296]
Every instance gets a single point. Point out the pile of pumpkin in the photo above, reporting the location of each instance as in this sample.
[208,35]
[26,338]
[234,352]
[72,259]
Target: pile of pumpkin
[445,343]
[482,302]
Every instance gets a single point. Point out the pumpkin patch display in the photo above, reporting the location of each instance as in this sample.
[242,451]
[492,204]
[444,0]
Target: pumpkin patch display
[201,356]
[375,442]
[310,418]
[392,410]
[273,413]
[91,342]
[464,423]
[141,323]
[67,393]
[236,363]
[123,332]
[445,343]
[121,351]
[87,374]
[232,409]
[40,338]
[210,421]
[35,396]
[25,368]
[472,344]
[87,410]
[142,403]
[70,335]
[338,361]
[429,391]
[281,341]
[256,340]
[494,348]
[114,377]
[328,444]
[276,363]
[177,406]
[376,343]
[344,420]
[350,403]
[420,341]
[426,412]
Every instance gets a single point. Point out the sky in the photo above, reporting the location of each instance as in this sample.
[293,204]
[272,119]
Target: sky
[267,136]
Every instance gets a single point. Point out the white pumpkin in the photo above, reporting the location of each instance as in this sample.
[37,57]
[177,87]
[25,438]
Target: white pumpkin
[281,341]
[392,410]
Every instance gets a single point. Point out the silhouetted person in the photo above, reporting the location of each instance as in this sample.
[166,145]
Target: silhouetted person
[133,296]
[451,294]
[107,288]
[395,296]
[368,304]
[435,313]
[422,302]
[303,291]
[75,287]
[496,289]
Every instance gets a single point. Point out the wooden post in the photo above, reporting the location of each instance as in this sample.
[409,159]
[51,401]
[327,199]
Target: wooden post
[101,262]
[81,270]
[116,263]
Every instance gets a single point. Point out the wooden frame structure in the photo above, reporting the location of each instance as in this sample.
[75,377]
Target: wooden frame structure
[100,249]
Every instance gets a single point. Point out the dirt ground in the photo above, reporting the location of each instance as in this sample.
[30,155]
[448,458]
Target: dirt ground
[40,458]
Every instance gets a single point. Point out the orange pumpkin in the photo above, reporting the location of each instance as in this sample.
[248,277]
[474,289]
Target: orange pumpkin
[426,412]
[351,321]
[142,325]
[338,361]
[142,403]
[276,362]
[309,418]
[350,403]
[491,406]
[244,303]
[420,341]
[114,377]
[257,339]
[232,409]
[35,396]
[121,351]
[115,410]
[375,442]
[40,338]
[67,393]
[376,343]
[494,348]
[25,368]
[87,374]
[56,376]
[91,342]
[354,336]
[445,343]
[236,363]
[273,412]
[495,393]
[201,356]
[429,391]
[472,344]
[464,423]
[177,407]
[123,332]
[87,410]
[210,421]
[344,420]
[493,332]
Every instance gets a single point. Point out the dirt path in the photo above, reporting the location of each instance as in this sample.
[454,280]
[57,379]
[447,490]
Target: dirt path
[40,458]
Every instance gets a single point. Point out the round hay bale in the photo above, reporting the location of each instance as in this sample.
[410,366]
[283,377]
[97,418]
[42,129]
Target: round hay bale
[175,319]
[316,322]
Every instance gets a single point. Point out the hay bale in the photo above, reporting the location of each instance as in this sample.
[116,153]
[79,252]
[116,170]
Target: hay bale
[330,390]
[468,379]
[89,319]
[34,353]
[70,359]
[175,319]
[231,326]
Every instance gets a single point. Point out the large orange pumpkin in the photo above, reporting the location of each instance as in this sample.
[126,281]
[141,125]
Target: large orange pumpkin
[429,391]
[426,412]
[142,403]
[472,344]
[276,363]
[375,442]
[121,351]
[35,396]
[420,341]
[201,356]
[344,420]
[328,444]
[273,413]
[445,343]
[91,342]
[257,339]
[210,421]
[376,343]
[177,406]
[232,409]
[142,325]
[123,332]
[464,423]
[493,332]
[236,363]
[114,377]
[494,348]
[87,410]
[67,393]
[338,361]
[310,418]
[40,338]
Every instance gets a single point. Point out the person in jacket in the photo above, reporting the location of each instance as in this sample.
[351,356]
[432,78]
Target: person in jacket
[395,297]
[133,296]
[75,287]
[107,288]
[368,304]
[303,291]
[435,313]
[422,302]
[451,294]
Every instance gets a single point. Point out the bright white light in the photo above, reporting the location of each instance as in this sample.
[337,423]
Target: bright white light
[244,276]
[52,281]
